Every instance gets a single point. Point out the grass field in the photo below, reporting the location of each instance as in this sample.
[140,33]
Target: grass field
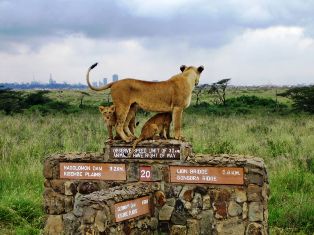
[284,141]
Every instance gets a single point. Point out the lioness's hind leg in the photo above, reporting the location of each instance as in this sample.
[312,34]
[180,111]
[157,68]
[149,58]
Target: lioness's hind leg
[130,120]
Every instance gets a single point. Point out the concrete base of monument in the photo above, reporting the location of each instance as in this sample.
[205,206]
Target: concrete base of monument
[165,150]
[89,193]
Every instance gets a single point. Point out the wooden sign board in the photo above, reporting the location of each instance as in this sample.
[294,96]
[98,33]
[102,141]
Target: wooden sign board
[95,171]
[131,209]
[145,173]
[145,152]
[206,175]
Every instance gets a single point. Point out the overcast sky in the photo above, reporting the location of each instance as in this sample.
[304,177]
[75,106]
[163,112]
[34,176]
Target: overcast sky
[266,42]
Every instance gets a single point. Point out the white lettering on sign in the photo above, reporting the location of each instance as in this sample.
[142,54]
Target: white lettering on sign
[206,175]
[73,173]
[130,209]
[77,168]
[90,170]
[116,168]
[167,152]
[230,172]
[145,174]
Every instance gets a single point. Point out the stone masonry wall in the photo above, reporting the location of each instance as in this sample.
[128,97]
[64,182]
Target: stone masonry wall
[87,206]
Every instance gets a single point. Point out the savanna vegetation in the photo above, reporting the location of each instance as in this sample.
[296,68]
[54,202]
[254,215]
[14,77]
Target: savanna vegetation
[264,122]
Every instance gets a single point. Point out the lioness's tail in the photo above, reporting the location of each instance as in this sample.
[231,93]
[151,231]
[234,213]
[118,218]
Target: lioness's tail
[134,145]
[91,86]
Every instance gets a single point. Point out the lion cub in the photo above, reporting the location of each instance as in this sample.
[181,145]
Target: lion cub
[156,125]
[110,118]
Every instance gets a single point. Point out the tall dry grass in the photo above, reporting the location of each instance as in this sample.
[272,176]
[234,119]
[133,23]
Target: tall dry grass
[284,142]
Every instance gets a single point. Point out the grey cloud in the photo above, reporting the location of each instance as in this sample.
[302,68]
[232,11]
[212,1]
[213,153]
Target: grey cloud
[26,21]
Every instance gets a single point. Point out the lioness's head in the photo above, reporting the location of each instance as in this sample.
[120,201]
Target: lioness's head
[197,71]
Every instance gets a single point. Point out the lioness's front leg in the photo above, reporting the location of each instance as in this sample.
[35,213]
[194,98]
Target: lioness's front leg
[122,113]
[177,117]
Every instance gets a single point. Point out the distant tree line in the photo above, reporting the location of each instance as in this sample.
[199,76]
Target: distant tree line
[48,86]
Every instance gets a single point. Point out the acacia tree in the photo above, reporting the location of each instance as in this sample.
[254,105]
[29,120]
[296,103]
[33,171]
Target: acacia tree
[198,91]
[219,89]
[83,94]
[302,97]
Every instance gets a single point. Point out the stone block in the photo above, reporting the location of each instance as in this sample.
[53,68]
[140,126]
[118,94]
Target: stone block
[255,179]
[56,203]
[70,188]
[57,185]
[133,172]
[234,209]
[187,193]
[165,212]
[254,193]
[255,229]
[178,230]
[232,226]
[221,209]
[256,211]
[207,220]
[240,195]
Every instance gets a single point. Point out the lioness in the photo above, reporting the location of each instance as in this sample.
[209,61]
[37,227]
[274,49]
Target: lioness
[172,95]
[159,124]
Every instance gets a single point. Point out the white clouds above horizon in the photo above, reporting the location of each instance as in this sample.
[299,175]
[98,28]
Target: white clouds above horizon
[254,42]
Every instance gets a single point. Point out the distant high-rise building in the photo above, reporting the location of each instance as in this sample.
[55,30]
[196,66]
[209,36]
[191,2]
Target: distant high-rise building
[51,81]
[105,81]
[94,84]
[115,77]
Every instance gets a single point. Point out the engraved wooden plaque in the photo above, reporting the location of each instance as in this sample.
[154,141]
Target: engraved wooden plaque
[146,152]
[96,171]
[206,175]
[131,209]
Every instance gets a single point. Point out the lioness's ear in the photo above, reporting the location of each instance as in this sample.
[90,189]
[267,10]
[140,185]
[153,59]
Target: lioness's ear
[101,108]
[200,69]
[182,68]
[113,108]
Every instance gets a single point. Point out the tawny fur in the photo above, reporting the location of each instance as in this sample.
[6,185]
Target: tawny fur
[173,95]
[110,119]
[156,125]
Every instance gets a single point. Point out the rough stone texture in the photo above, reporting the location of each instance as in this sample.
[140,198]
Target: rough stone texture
[255,229]
[54,225]
[234,209]
[254,193]
[206,202]
[87,206]
[178,230]
[256,211]
[232,226]
[207,220]
[240,195]
[193,226]
[165,212]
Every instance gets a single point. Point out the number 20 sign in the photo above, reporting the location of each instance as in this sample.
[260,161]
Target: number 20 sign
[145,173]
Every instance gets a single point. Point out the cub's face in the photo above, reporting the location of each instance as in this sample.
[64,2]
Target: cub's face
[108,113]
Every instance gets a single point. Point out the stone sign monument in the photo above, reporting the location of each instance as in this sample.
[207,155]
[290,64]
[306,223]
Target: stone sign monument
[163,188]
